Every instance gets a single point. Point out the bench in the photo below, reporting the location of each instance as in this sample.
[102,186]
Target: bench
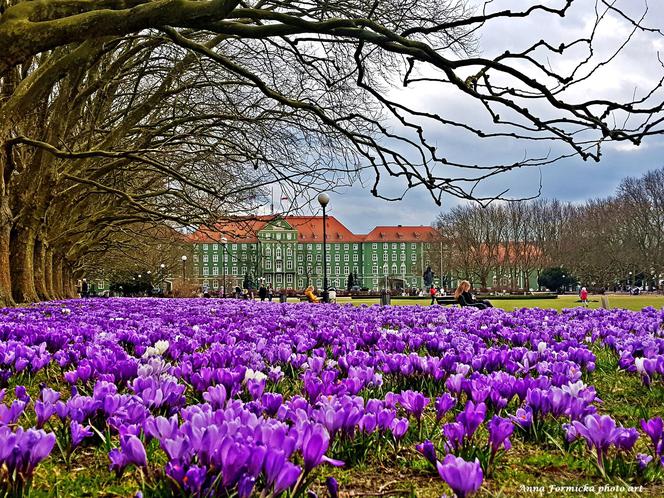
[446,300]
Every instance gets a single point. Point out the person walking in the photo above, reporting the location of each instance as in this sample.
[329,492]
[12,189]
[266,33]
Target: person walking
[583,294]
[84,288]
[432,293]
[262,292]
[270,292]
[465,298]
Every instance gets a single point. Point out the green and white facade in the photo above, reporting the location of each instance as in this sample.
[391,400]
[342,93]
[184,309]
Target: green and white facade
[287,252]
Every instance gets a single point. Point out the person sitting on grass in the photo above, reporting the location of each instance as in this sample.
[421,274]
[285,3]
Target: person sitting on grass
[465,298]
[309,292]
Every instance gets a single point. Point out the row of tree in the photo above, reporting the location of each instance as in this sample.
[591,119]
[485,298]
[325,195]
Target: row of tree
[127,117]
[618,240]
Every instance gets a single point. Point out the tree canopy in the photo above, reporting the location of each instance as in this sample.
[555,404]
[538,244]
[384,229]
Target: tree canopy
[132,114]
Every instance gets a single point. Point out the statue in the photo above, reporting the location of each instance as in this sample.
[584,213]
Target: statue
[428,277]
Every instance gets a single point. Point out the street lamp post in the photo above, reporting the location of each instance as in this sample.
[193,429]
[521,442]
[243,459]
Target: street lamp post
[323,200]
[223,241]
[184,269]
[161,284]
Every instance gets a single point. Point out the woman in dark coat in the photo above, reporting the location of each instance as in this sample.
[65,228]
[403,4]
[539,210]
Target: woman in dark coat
[465,298]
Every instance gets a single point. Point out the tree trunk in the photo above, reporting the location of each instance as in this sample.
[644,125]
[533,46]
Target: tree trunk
[22,265]
[5,274]
[48,271]
[58,292]
[40,270]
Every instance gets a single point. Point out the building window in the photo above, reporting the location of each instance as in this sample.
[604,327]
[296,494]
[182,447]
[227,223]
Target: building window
[403,269]
[234,247]
[385,255]
[355,257]
[337,270]
[289,251]
[277,252]
[268,265]
[403,246]
[318,271]
[346,247]
[309,246]
[337,257]
[289,264]
[385,269]
[244,247]
[299,257]
[206,271]
[374,246]
[215,247]
[205,258]
[215,270]
[346,257]
[215,284]
[300,270]
[374,270]
[288,236]
[280,278]
[233,271]
[413,257]
[386,245]
[319,258]
[319,246]
[278,236]
[215,258]
[413,246]
[205,247]
[329,257]
[394,269]
[374,257]
[394,245]
[268,251]
[394,256]
[309,257]
[355,248]
[346,270]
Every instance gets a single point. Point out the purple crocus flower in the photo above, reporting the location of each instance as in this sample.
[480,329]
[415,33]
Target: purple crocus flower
[414,403]
[500,430]
[471,417]
[643,460]
[600,432]
[626,438]
[194,479]
[523,417]
[78,433]
[444,404]
[131,452]
[287,477]
[332,487]
[315,442]
[428,450]
[399,427]
[454,434]
[465,478]
[654,428]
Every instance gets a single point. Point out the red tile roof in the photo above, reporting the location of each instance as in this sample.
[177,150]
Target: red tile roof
[402,234]
[310,229]
[243,230]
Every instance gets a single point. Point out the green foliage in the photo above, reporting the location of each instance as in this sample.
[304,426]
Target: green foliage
[557,278]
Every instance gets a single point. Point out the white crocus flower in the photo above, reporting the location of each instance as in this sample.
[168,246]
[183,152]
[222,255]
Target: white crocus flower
[541,347]
[254,374]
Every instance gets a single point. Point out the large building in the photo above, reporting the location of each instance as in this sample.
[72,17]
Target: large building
[287,252]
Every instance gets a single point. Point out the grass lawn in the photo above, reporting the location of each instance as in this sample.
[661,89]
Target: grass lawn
[634,303]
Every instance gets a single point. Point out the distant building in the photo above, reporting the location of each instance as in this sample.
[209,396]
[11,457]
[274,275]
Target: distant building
[287,253]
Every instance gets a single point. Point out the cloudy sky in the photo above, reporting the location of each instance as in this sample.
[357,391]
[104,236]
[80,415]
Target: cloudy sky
[633,72]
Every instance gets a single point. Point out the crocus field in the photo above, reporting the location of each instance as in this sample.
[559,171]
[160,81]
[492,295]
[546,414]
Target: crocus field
[167,397]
